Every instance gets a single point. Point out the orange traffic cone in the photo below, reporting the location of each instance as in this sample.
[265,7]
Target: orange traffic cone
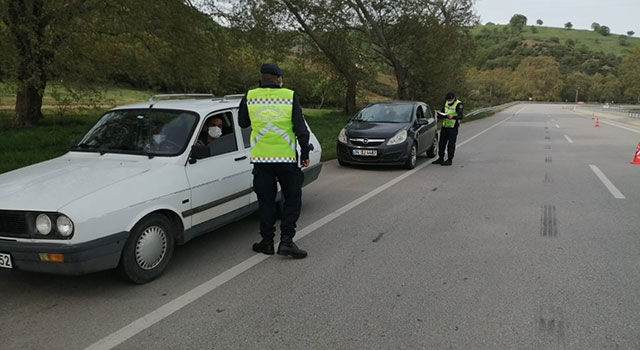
[636,158]
[597,122]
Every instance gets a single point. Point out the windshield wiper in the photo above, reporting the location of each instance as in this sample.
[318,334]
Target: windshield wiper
[84,146]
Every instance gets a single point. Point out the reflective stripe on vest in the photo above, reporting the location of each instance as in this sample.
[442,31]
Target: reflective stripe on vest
[450,110]
[272,137]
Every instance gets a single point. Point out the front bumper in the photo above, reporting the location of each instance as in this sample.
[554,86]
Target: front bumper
[97,255]
[386,155]
[311,173]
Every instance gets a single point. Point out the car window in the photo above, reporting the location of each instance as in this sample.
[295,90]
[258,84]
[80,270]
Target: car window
[152,132]
[385,113]
[246,137]
[428,113]
[226,142]
[420,112]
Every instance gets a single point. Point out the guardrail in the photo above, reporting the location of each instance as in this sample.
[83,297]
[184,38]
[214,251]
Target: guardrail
[624,111]
[491,109]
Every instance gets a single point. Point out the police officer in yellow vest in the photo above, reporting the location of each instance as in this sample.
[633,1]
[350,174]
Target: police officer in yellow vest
[276,121]
[449,131]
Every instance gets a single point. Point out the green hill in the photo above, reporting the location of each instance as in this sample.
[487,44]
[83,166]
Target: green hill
[576,50]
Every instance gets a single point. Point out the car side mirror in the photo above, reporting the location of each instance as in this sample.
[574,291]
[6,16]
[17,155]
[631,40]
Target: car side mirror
[423,121]
[198,152]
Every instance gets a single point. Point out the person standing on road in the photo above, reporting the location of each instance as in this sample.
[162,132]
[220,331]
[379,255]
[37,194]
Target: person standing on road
[452,114]
[276,121]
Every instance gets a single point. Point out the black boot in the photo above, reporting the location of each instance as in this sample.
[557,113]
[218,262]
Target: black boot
[446,162]
[264,247]
[292,250]
[438,161]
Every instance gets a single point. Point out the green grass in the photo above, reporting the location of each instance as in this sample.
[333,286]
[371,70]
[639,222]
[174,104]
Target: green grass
[56,95]
[52,138]
[326,124]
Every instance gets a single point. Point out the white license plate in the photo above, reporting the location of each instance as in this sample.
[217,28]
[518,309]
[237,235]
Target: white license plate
[5,261]
[365,152]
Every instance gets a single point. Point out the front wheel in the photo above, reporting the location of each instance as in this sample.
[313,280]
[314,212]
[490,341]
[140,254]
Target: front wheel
[148,249]
[413,157]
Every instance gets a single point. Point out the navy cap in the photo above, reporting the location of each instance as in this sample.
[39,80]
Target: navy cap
[450,95]
[271,68]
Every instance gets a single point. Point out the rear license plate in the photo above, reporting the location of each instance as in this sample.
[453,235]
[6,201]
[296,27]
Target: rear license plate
[5,261]
[365,152]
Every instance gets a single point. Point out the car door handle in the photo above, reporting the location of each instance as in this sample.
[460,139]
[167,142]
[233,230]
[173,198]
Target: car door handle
[241,158]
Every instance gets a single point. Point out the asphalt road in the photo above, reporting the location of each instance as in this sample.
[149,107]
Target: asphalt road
[529,241]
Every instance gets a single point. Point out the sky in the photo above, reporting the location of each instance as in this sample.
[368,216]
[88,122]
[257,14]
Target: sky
[620,16]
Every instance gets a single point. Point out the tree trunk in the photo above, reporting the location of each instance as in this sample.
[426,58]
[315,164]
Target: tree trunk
[28,105]
[350,99]
[27,23]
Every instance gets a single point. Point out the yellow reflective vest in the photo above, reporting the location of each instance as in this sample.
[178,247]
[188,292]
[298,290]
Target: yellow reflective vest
[272,136]
[450,110]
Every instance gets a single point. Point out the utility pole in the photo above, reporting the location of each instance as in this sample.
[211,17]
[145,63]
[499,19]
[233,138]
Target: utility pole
[576,95]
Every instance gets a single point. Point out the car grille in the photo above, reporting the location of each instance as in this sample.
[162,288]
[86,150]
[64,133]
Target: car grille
[365,142]
[13,224]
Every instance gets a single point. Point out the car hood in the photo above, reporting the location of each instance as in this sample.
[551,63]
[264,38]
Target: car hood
[50,185]
[369,129]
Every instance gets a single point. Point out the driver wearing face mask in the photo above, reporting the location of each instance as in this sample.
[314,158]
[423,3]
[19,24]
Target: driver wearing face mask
[213,131]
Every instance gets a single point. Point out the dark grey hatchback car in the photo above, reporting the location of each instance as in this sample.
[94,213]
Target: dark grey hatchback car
[389,133]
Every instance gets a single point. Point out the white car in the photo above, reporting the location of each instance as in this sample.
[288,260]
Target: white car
[134,187]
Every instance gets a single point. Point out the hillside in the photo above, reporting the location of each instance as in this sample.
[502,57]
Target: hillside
[617,44]
[576,50]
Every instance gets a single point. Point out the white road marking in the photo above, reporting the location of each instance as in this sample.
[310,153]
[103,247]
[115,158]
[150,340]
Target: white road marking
[557,126]
[619,126]
[568,138]
[164,311]
[610,186]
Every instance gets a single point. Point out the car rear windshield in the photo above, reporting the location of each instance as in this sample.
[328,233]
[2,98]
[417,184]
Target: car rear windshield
[151,132]
[385,113]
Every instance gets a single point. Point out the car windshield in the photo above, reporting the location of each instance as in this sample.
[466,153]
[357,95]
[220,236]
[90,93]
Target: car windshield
[385,113]
[140,131]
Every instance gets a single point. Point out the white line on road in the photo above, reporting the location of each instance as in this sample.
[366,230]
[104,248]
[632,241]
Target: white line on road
[557,126]
[619,126]
[568,138]
[164,311]
[610,186]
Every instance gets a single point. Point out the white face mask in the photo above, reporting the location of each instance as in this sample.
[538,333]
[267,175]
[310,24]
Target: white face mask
[214,132]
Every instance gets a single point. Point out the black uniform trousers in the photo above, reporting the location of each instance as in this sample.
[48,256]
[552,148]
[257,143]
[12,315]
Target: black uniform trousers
[448,137]
[266,176]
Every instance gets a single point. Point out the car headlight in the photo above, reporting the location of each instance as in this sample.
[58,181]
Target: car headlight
[64,225]
[43,224]
[342,136]
[400,137]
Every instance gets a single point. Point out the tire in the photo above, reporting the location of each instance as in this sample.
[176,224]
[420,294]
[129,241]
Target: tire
[433,150]
[413,157]
[341,162]
[148,249]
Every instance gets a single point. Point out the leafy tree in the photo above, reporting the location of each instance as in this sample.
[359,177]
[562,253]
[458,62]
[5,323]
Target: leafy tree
[538,78]
[397,33]
[629,73]
[595,26]
[604,30]
[568,25]
[576,87]
[518,21]
[87,42]
[539,22]
[630,33]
